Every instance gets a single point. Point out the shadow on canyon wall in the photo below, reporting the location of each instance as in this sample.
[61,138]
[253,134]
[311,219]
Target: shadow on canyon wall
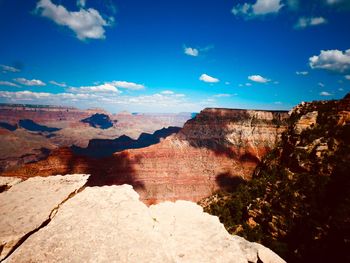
[100,148]
[113,170]
[228,182]
[33,126]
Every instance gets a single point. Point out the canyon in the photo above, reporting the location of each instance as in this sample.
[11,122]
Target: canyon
[219,148]
[29,133]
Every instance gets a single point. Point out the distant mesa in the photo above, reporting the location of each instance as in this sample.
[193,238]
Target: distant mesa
[99,120]
[33,126]
[105,147]
[8,126]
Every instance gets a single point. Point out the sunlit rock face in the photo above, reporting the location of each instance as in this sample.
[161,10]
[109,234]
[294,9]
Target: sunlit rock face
[27,205]
[28,133]
[217,149]
[110,224]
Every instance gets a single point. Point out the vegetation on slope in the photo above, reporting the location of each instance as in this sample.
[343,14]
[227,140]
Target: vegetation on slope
[298,202]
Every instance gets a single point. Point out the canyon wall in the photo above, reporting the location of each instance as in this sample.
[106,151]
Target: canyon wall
[30,132]
[219,148]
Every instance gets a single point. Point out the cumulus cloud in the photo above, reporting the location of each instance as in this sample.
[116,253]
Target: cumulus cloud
[191,51]
[86,23]
[260,7]
[104,88]
[111,101]
[310,21]
[347,77]
[62,85]
[258,78]
[8,83]
[126,85]
[208,79]
[30,82]
[332,60]
[325,93]
[303,73]
[6,69]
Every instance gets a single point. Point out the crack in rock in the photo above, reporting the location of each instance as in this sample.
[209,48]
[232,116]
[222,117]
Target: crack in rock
[30,205]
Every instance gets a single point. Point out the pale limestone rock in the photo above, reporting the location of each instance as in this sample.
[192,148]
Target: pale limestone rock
[27,205]
[110,224]
[8,182]
[306,121]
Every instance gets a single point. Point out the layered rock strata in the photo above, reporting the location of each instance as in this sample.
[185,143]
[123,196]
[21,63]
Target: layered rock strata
[219,148]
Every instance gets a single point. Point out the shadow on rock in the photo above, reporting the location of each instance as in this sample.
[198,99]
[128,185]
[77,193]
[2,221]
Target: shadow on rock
[228,182]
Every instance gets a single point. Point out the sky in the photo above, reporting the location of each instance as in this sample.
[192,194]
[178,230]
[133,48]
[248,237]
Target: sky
[174,55]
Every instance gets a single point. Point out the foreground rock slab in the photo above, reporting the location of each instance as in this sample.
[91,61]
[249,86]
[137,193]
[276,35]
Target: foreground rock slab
[29,205]
[111,224]
[7,182]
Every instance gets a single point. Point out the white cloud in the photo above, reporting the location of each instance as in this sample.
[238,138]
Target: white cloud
[28,82]
[260,7]
[347,77]
[258,78]
[321,84]
[62,85]
[86,23]
[332,60]
[8,83]
[111,101]
[227,83]
[341,89]
[191,51]
[126,85]
[310,21]
[278,102]
[6,69]
[209,79]
[303,73]
[167,92]
[325,93]
[104,88]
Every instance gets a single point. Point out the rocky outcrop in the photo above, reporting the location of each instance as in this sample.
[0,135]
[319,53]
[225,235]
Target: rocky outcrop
[110,224]
[105,147]
[218,149]
[28,206]
[298,201]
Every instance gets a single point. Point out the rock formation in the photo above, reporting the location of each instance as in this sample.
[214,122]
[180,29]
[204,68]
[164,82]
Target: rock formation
[27,206]
[30,132]
[219,148]
[110,224]
[298,202]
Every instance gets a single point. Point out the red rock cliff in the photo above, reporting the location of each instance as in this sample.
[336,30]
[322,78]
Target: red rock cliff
[216,149]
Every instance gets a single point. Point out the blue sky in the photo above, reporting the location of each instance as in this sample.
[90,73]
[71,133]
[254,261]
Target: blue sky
[174,56]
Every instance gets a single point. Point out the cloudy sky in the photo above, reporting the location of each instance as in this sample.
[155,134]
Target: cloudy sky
[175,55]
